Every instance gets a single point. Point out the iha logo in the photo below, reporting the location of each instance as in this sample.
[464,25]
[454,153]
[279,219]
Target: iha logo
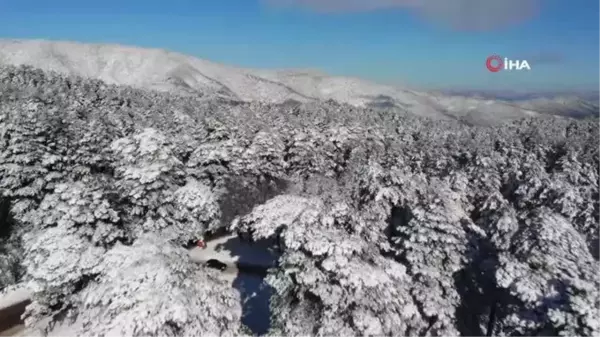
[496,63]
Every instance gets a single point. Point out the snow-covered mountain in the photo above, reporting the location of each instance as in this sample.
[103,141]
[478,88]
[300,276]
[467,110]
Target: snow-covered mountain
[569,106]
[169,71]
[575,104]
[143,68]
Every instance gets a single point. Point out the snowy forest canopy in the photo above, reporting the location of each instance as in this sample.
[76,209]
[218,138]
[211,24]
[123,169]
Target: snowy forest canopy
[388,224]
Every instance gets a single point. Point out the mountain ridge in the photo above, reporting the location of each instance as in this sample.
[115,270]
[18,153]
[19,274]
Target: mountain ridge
[164,70]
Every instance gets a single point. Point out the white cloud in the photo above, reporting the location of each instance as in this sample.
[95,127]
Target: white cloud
[458,14]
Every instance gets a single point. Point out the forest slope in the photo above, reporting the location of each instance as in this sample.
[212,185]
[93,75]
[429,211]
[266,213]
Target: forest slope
[387,223]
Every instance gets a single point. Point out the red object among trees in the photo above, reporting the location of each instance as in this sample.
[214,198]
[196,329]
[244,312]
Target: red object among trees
[201,244]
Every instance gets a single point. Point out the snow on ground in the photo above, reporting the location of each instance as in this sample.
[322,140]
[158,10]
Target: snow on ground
[14,297]
[254,292]
[231,251]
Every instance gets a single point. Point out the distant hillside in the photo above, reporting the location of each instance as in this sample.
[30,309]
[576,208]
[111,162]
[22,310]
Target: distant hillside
[163,70]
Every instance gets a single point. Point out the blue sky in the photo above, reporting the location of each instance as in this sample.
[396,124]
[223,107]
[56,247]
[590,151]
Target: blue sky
[416,42]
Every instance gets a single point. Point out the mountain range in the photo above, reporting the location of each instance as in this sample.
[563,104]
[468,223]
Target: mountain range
[163,70]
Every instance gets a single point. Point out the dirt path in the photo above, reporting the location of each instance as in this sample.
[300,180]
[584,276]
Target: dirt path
[17,330]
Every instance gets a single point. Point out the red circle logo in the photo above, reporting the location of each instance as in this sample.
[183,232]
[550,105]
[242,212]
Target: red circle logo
[494,59]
